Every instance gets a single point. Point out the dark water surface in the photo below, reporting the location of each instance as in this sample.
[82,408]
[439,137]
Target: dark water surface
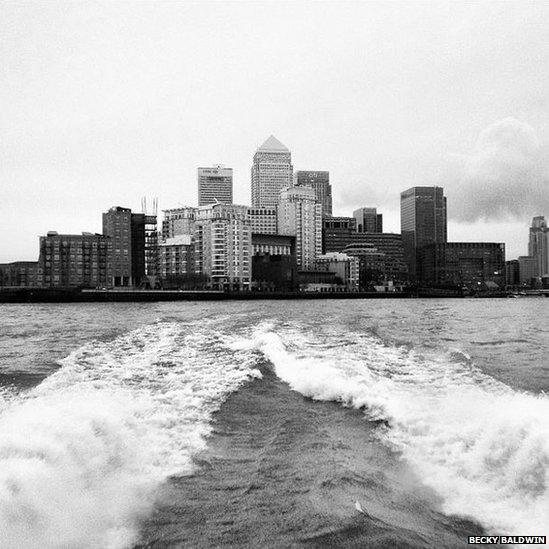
[262,424]
[282,471]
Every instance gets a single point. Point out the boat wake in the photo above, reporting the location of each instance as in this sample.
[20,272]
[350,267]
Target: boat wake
[483,447]
[82,453]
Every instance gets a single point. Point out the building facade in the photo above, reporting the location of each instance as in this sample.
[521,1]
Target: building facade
[470,265]
[345,267]
[117,224]
[320,182]
[20,273]
[380,260]
[382,254]
[178,221]
[274,272]
[144,230]
[215,185]
[134,240]
[223,245]
[300,215]
[538,245]
[337,232]
[373,265]
[368,220]
[273,244]
[512,273]
[263,220]
[422,222]
[274,266]
[528,270]
[176,256]
[68,260]
[272,171]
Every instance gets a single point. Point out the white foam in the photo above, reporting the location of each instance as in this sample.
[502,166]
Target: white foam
[81,454]
[482,446]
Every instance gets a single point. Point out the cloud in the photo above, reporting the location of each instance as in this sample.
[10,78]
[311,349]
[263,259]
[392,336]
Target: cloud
[504,179]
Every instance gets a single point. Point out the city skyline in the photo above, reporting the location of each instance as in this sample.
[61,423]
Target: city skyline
[87,127]
[293,180]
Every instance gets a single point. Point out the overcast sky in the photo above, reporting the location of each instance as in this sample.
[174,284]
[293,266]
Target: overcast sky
[102,103]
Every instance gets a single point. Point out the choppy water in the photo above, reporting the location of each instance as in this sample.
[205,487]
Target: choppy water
[261,424]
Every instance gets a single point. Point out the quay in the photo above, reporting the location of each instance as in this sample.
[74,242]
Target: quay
[77,295]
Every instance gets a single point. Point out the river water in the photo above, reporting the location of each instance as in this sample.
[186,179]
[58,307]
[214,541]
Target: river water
[364,423]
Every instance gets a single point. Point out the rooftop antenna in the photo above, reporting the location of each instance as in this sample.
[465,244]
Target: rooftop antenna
[144,208]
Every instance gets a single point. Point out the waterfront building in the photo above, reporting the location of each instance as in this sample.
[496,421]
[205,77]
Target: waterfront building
[320,182]
[263,220]
[382,253]
[274,272]
[215,185]
[528,270]
[471,265]
[389,244]
[380,259]
[368,220]
[337,233]
[178,221]
[274,266]
[134,240]
[422,222]
[345,267]
[512,272]
[125,268]
[176,256]
[300,215]
[318,280]
[273,244]
[145,226]
[272,171]
[20,273]
[69,260]
[538,245]
[177,266]
[223,245]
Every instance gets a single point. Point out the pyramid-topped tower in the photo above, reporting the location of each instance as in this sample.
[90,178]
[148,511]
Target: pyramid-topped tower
[272,144]
[272,170]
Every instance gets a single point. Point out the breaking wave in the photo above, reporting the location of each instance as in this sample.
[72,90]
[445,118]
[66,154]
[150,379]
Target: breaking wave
[82,453]
[483,447]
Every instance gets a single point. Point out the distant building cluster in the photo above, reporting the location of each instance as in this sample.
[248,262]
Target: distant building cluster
[532,270]
[287,240]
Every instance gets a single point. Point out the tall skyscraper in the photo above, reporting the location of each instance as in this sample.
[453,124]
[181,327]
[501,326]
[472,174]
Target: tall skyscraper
[215,185]
[422,222]
[300,215]
[368,220]
[538,244]
[320,182]
[272,170]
